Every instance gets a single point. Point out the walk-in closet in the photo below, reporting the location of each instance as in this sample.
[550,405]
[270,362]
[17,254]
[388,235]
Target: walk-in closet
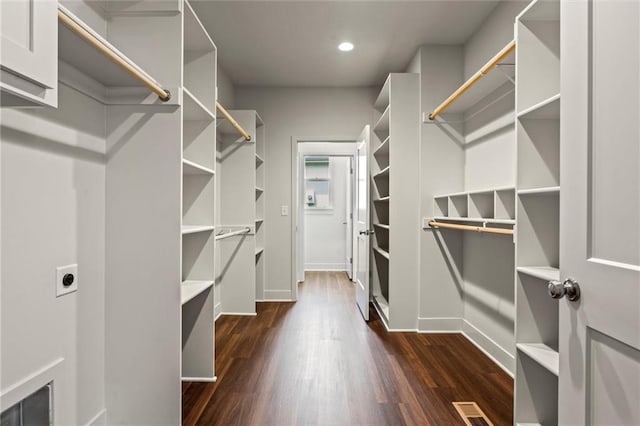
[470,169]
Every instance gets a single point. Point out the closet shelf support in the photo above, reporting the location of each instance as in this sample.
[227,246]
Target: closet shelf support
[103,48]
[233,122]
[506,51]
[482,229]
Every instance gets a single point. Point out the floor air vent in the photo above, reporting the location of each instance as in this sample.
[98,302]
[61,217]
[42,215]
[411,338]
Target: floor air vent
[34,410]
[471,414]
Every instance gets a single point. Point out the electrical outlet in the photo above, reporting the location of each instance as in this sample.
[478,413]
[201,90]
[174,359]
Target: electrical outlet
[66,279]
[284,210]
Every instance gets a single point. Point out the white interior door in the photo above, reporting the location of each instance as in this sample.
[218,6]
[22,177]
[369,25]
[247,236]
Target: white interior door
[362,223]
[599,382]
[348,219]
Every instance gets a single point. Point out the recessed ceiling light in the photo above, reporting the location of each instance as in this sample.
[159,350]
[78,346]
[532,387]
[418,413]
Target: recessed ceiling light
[345,46]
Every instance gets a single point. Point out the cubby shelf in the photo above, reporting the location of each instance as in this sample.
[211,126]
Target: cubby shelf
[191,288]
[193,109]
[546,109]
[192,168]
[382,200]
[550,190]
[543,355]
[383,173]
[547,273]
[491,206]
[194,229]
[382,252]
[382,125]
[383,149]
[475,220]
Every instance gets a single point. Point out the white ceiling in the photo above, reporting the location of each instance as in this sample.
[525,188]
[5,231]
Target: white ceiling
[294,43]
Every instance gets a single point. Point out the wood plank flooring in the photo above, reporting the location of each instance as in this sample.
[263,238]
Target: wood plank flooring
[316,362]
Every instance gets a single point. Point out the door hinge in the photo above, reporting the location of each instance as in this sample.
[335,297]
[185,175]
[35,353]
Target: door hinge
[351,170]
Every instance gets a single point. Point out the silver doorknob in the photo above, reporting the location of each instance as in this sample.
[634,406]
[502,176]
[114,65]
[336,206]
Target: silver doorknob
[367,232]
[568,287]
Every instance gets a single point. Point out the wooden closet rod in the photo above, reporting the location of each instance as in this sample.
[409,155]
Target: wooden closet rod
[506,51]
[233,122]
[164,95]
[501,231]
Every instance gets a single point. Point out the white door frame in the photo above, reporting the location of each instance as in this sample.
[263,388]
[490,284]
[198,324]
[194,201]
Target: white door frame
[296,250]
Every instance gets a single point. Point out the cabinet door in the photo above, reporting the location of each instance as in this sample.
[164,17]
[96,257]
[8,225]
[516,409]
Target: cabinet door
[29,46]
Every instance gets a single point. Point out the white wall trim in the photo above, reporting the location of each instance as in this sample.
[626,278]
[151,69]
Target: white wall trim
[217,311]
[319,267]
[440,325]
[100,419]
[490,348]
[278,296]
[50,373]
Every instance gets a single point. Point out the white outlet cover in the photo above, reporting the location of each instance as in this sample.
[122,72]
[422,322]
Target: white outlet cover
[61,271]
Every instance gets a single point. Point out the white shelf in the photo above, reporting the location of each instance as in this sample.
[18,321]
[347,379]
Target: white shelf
[476,220]
[383,122]
[481,191]
[540,10]
[381,225]
[382,200]
[190,289]
[85,58]
[540,191]
[259,250]
[383,172]
[383,306]
[193,109]
[259,160]
[194,229]
[547,109]
[542,354]
[196,37]
[383,149]
[383,253]
[259,220]
[528,424]
[545,273]
[192,168]
[382,102]
[259,190]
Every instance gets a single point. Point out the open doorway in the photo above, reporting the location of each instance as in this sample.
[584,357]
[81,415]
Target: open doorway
[324,207]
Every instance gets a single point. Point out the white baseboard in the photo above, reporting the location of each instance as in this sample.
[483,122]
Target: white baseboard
[490,348]
[440,325]
[200,379]
[322,267]
[278,296]
[240,314]
[217,311]
[99,419]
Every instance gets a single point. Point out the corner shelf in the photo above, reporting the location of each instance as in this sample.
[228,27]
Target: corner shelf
[543,355]
[191,288]
[192,168]
[546,273]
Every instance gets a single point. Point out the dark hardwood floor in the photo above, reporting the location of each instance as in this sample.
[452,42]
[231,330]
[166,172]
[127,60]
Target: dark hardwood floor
[316,362]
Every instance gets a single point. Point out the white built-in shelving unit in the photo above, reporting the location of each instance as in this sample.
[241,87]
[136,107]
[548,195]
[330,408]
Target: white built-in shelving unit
[494,206]
[240,174]
[198,200]
[395,210]
[537,213]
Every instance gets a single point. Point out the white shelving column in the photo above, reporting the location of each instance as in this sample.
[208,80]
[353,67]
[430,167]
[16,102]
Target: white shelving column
[537,212]
[198,200]
[260,202]
[239,195]
[396,209]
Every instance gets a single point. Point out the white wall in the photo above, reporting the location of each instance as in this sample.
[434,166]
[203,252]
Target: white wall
[53,214]
[226,89]
[325,236]
[467,280]
[305,113]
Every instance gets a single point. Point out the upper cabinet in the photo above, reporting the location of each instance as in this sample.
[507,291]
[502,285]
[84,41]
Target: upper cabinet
[29,58]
